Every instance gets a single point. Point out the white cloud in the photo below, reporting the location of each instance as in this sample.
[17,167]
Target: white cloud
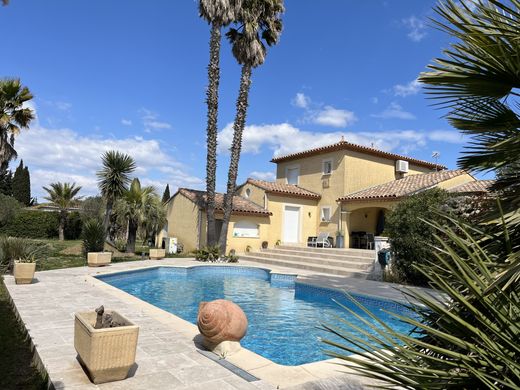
[283,138]
[151,122]
[416,28]
[300,100]
[394,111]
[330,116]
[412,88]
[126,122]
[268,176]
[67,156]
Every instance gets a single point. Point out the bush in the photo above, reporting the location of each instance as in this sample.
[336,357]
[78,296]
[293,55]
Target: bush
[73,226]
[410,237]
[9,209]
[33,224]
[93,236]
[209,253]
[16,248]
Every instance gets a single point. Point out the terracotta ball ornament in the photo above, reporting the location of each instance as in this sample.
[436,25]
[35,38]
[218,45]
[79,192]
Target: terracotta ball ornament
[221,320]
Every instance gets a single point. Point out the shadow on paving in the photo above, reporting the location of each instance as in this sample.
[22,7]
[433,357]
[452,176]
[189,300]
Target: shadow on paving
[16,359]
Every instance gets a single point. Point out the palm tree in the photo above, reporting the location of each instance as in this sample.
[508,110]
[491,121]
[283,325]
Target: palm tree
[114,178]
[133,207]
[62,195]
[259,21]
[13,117]
[218,13]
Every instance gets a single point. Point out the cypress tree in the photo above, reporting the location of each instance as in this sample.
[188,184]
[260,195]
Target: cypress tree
[6,182]
[166,194]
[22,185]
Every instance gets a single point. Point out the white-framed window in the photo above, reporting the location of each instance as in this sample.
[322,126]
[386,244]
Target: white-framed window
[292,174]
[248,193]
[246,229]
[327,166]
[326,213]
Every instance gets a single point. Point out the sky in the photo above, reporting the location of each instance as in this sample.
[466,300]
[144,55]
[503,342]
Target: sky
[131,75]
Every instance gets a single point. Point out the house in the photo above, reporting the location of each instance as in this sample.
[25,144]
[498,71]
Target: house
[341,187]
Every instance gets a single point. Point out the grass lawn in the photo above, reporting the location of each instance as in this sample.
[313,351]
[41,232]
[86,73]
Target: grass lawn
[16,369]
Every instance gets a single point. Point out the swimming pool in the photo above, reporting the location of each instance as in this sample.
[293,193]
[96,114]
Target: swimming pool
[284,315]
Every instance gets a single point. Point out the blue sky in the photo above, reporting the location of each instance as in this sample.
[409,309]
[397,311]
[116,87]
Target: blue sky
[131,75]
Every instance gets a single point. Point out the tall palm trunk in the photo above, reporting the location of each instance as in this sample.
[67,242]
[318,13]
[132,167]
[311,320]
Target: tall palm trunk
[132,235]
[211,159]
[61,227]
[236,148]
[108,214]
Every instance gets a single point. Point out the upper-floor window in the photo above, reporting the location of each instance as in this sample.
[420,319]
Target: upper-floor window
[292,175]
[327,166]
[248,193]
[326,214]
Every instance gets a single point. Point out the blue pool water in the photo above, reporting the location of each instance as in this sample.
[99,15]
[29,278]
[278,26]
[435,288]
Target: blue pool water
[284,316]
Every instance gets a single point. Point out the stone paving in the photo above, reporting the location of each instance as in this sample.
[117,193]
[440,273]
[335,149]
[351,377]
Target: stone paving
[166,358]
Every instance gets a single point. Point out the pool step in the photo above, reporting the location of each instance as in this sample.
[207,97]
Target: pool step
[304,258]
[324,269]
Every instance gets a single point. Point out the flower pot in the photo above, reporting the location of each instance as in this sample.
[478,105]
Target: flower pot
[98,259]
[156,254]
[107,354]
[24,272]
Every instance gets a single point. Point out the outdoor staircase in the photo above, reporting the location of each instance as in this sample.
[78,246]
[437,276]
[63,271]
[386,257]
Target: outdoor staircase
[357,263]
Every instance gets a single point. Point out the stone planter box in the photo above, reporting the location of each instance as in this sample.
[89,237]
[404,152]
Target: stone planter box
[24,272]
[157,254]
[98,259]
[106,354]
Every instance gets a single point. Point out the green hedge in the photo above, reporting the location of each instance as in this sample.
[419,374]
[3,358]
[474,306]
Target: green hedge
[42,224]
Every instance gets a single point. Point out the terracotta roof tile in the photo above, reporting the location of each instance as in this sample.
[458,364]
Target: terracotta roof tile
[473,187]
[344,145]
[240,205]
[408,185]
[285,189]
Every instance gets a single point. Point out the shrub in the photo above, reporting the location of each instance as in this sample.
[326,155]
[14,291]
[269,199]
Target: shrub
[411,237]
[93,236]
[33,224]
[73,226]
[209,253]
[16,248]
[9,208]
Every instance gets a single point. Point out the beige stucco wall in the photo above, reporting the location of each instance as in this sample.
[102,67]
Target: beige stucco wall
[183,217]
[365,170]
[256,196]
[456,181]
[240,244]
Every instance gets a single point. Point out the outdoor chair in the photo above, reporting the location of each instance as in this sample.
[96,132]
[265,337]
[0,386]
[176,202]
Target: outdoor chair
[370,241]
[322,239]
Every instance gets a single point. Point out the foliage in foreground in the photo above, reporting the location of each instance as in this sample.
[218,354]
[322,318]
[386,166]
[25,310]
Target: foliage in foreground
[410,235]
[465,339]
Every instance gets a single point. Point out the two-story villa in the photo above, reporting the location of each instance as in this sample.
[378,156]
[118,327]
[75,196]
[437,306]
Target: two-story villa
[341,187]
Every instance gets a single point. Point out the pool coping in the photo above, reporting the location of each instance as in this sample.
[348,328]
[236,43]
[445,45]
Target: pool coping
[278,375]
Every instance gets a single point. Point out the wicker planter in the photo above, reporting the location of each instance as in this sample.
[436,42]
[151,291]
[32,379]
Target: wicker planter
[24,272]
[107,354]
[157,254]
[98,259]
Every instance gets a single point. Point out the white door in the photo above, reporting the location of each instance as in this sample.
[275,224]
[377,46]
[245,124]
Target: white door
[291,224]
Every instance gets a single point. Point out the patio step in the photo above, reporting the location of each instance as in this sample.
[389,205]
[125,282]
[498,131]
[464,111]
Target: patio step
[300,252]
[324,269]
[339,251]
[303,257]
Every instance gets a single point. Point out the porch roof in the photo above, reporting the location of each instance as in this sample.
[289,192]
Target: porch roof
[283,189]
[240,205]
[400,188]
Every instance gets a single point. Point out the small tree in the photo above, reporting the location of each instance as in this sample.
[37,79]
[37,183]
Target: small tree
[22,185]
[62,195]
[166,194]
[411,237]
[9,208]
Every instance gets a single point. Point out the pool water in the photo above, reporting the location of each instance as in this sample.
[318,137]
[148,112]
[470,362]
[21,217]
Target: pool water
[284,316]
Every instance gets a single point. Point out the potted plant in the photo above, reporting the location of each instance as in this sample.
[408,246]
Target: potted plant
[23,270]
[157,253]
[93,236]
[106,344]
[340,243]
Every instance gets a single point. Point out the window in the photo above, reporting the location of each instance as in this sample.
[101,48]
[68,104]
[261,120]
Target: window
[246,229]
[327,167]
[248,193]
[325,214]
[292,175]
